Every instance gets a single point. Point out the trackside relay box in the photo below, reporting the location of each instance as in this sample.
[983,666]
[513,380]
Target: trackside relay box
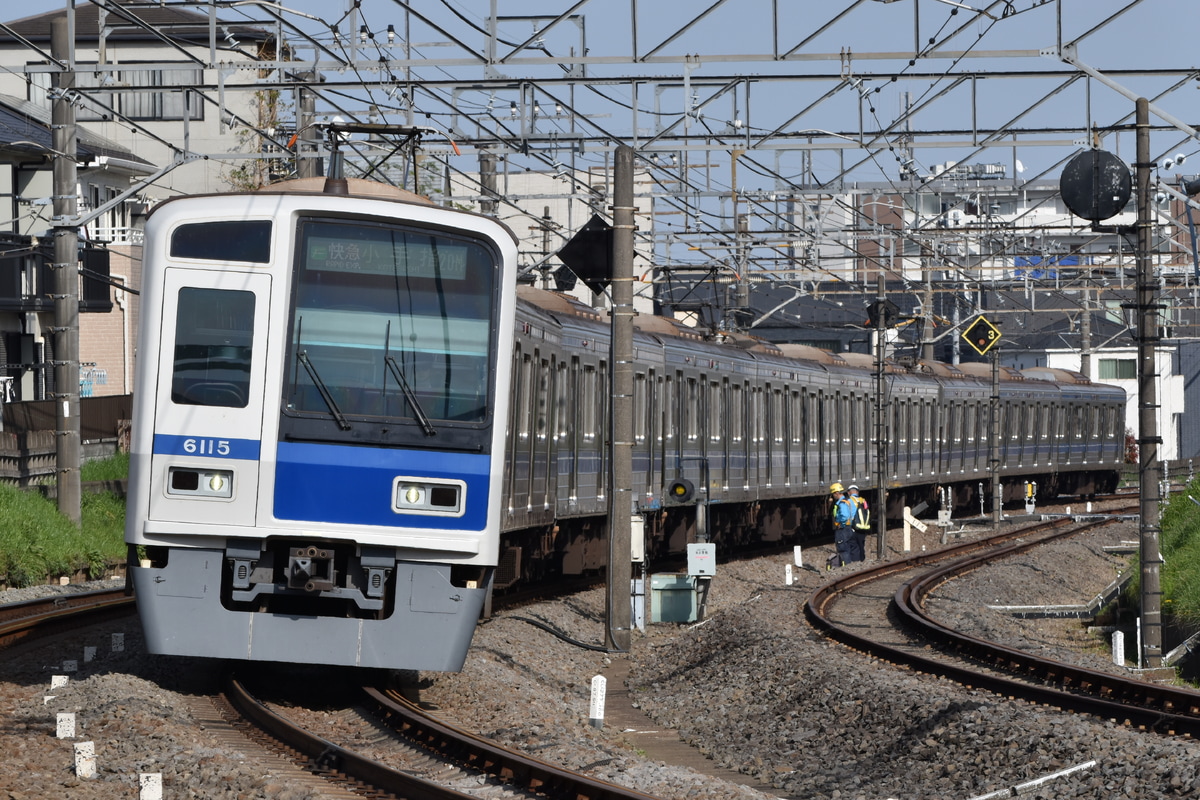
[702,559]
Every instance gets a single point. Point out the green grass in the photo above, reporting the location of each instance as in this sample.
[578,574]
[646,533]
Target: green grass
[38,543]
[1179,543]
[114,468]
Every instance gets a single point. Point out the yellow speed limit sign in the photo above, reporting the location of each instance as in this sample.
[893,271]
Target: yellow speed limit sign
[982,335]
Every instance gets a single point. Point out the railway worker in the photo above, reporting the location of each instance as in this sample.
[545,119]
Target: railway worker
[862,522]
[843,524]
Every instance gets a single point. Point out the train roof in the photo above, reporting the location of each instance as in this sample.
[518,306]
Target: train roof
[566,308]
[355,187]
[1056,375]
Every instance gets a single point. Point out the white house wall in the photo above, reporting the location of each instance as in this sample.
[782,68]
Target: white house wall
[1170,391]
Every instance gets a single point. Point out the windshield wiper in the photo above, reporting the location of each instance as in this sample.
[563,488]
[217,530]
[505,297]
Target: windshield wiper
[410,396]
[342,422]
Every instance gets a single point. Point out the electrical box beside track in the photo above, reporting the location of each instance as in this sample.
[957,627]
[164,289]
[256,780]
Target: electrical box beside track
[673,598]
[702,559]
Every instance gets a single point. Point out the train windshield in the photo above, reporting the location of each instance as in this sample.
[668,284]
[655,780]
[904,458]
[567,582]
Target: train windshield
[389,323]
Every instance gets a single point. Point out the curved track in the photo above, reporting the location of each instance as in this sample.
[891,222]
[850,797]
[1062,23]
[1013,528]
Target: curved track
[519,773]
[47,616]
[880,611]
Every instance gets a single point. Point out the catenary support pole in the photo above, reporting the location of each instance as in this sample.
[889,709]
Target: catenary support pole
[620,504]
[994,442]
[881,406]
[66,275]
[1148,439]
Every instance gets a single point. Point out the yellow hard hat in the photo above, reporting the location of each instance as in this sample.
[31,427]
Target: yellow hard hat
[836,487]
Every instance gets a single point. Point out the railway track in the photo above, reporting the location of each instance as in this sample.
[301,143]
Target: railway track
[48,616]
[881,611]
[517,773]
[342,771]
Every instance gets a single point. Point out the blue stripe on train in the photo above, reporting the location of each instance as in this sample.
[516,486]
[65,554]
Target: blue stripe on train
[166,444]
[353,485]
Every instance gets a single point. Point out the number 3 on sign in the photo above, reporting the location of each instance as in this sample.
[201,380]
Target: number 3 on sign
[206,447]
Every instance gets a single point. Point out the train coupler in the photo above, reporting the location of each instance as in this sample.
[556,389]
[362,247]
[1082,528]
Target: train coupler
[311,569]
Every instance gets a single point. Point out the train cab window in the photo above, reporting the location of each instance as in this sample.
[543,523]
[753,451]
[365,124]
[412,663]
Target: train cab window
[238,240]
[391,324]
[214,337]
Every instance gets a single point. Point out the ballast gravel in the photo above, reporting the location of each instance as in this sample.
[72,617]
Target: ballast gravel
[752,686]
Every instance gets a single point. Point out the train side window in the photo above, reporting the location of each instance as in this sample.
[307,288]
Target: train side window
[236,240]
[214,338]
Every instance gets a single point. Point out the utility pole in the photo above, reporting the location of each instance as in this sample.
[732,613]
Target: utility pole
[1148,439]
[994,443]
[66,274]
[308,149]
[620,505]
[881,406]
[487,183]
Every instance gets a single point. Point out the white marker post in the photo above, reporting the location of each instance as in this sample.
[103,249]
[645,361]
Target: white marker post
[65,727]
[599,686]
[150,784]
[85,759]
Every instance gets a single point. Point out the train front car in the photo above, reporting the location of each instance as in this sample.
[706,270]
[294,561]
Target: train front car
[319,425]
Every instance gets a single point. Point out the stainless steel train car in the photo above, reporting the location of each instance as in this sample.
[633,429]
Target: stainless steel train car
[319,424]
[753,434]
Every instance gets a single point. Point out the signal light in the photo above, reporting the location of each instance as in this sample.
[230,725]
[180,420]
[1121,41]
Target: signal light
[681,490]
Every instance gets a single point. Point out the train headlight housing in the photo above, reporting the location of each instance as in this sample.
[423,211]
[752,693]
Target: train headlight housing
[428,496]
[191,482]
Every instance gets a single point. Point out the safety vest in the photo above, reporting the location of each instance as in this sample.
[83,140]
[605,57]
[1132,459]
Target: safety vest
[862,517]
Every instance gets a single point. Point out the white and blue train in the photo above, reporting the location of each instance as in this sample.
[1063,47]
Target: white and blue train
[351,426]
[319,426]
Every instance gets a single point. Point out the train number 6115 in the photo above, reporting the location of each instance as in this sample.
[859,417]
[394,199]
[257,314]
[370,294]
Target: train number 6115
[206,447]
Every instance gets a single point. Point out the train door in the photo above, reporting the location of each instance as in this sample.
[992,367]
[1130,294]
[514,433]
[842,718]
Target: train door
[563,424]
[524,450]
[576,436]
[787,435]
[738,441]
[208,410]
[602,431]
[514,411]
[641,435]
[670,435]
[692,447]
[821,431]
[543,428]
[715,440]
[772,443]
